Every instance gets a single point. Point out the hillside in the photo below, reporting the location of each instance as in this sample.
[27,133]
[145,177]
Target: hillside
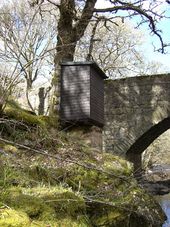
[52,178]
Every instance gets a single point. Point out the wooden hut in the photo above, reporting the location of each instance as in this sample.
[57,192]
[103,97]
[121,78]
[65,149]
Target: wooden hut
[82,93]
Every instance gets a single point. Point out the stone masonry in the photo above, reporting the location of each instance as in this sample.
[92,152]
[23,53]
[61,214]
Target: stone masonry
[136,109]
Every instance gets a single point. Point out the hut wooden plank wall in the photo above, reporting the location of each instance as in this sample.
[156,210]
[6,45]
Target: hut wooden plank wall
[82,93]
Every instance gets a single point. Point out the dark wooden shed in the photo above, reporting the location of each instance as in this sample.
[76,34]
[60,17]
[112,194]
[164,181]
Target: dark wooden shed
[82,93]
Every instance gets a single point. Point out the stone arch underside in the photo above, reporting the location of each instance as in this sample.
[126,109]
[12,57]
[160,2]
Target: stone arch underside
[134,153]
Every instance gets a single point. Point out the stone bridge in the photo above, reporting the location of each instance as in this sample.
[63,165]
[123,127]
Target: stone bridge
[137,111]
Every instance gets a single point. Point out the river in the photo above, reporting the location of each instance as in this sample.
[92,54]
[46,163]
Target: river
[164,200]
[165,204]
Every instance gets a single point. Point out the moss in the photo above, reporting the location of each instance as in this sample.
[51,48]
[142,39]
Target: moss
[12,176]
[135,208]
[47,204]
[111,175]
[60,206]
[23,116]
[14,111]
[9,148]
[64,201]
[34,174]
[50,121]
[81,221]
[26,174]
[13,218]
[57,193]
[117,165]
[39,173]
[112,218]
[13,103]
[31,205]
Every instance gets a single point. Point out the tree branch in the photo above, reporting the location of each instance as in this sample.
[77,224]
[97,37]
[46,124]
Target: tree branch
[139,11]
[53,3]
[87,14]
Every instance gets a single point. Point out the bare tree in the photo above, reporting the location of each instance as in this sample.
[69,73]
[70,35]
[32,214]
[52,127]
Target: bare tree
[8,85]
[114,46]
[25,38]
[72,18]
[75,15]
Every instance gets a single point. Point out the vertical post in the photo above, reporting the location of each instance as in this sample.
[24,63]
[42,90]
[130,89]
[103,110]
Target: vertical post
[41,101]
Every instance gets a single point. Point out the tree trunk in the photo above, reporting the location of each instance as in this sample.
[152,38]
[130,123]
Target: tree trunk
[69,33]
[28,101]
[41,105]
[65,50]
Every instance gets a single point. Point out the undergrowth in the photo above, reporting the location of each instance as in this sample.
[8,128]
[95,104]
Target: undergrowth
[52,178]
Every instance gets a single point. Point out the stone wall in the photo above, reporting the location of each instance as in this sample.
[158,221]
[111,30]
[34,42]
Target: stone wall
[135,108]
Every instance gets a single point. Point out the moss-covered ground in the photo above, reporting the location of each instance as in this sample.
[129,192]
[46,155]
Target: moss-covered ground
[52,178]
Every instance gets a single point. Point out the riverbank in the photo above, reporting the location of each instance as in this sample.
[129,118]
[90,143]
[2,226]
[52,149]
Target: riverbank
[164,201]
[98,190]
[156,180]
[52,178]
[161,187]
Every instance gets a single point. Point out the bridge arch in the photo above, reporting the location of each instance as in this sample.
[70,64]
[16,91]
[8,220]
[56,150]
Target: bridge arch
[137,111]
[134,153]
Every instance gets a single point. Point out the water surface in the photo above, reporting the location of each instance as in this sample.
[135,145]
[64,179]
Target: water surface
[165,204]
